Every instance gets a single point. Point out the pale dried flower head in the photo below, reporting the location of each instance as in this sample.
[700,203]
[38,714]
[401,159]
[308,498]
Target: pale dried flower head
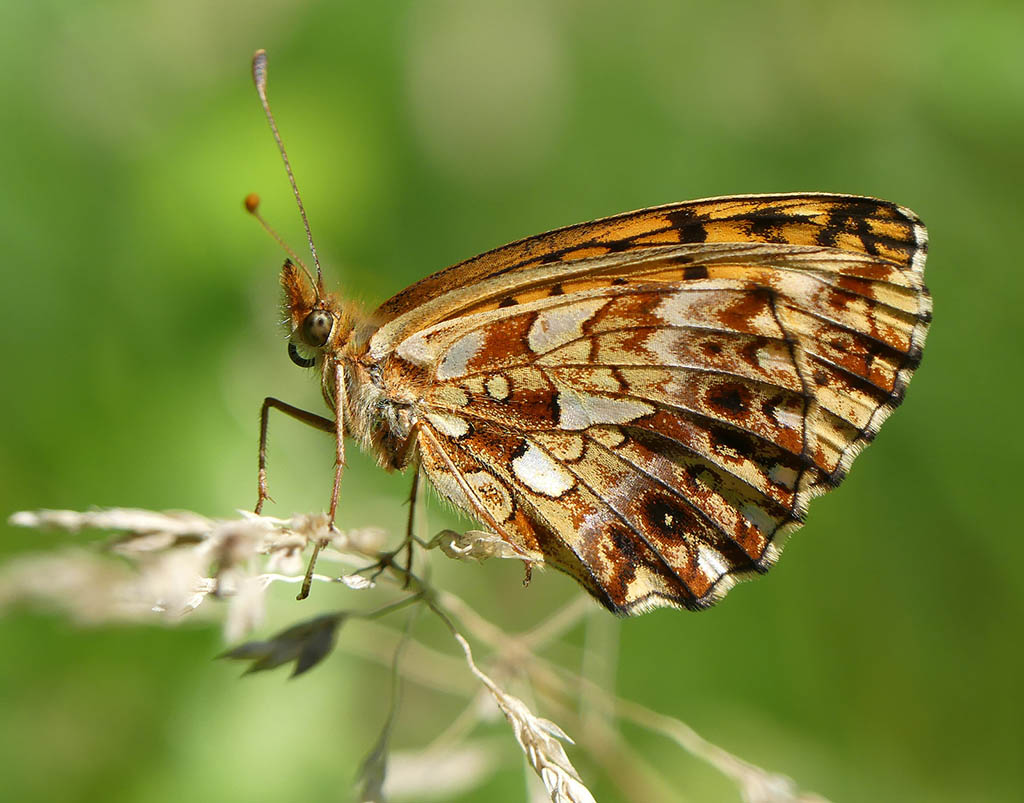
[539,739]
[175,562]
[170,565]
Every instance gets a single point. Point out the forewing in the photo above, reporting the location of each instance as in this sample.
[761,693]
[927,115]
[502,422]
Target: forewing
[655,423]
[857,225]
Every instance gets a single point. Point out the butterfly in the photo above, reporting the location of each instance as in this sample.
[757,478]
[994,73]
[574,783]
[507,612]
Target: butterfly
[647,402]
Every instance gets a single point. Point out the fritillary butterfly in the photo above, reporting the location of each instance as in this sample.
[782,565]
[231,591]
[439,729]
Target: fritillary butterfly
[647,402]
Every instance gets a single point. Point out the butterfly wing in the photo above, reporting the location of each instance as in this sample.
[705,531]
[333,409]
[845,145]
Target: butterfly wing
[854,224]
[654,416]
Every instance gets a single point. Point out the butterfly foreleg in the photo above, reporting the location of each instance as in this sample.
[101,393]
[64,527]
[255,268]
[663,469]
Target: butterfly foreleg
[313,420]
[306,417]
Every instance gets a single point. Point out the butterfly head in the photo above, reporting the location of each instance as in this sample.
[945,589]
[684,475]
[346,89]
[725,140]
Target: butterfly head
[318,323]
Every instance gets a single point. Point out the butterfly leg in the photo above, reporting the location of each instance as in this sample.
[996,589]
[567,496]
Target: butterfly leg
[388,558]
[313,420]
[404,457]
[306,417]
[409,530]
[338,428]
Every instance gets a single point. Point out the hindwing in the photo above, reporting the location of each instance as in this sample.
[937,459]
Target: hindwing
[649,402]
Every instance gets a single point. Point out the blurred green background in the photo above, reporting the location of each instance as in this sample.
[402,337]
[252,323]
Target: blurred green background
[881,660]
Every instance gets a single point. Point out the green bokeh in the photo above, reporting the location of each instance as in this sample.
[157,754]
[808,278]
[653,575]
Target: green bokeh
[881,660]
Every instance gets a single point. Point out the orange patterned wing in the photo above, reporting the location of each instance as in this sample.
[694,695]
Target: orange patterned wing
[654,418]
[856,224]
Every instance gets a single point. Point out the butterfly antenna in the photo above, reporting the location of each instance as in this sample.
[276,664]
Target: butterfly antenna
[259,77]
[252,206]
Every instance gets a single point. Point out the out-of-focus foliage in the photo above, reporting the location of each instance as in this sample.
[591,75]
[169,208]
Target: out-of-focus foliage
[880,660]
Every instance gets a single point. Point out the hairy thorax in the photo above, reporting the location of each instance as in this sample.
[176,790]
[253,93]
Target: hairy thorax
[380,406]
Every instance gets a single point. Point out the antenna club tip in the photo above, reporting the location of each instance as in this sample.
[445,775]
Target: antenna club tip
[259,66]
[252,203]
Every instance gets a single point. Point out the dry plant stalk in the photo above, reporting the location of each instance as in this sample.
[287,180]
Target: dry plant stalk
[174,563]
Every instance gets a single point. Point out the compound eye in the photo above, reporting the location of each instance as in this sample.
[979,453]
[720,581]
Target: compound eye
[316,329]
